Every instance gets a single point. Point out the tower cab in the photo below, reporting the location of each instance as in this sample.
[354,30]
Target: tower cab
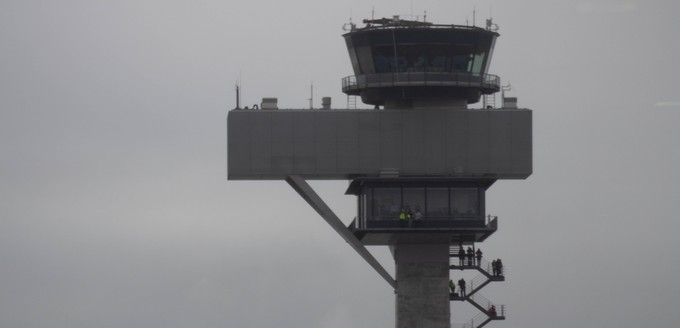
[400,63]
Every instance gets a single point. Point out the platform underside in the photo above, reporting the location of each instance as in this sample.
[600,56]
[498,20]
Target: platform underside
[391,236]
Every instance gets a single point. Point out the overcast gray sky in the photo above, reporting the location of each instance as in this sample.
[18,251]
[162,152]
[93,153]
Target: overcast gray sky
[115,210]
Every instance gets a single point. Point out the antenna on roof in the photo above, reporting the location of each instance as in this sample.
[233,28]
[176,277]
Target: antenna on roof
[238,91]
[238,97]
[474,14]
[311,95]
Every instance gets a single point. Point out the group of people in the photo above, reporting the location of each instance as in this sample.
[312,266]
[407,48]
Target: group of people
[475,258]
[497,268]
[461,287]
[405,215]
[470,256]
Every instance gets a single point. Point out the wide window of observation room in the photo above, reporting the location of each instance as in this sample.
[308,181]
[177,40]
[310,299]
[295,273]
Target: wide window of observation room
[427,58]
[427,207]
[448,50]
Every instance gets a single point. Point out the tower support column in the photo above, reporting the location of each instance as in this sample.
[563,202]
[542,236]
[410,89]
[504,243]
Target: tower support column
[422,295]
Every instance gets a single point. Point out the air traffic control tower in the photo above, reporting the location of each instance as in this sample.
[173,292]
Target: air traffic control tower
[421,150]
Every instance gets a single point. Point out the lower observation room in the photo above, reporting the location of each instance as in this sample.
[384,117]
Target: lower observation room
[435,210]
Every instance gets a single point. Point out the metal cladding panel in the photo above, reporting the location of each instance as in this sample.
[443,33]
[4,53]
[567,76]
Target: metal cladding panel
[304,157]
[282,142]
[343,144]
[414,145]
[391,135]
[434,141]
[478,147]
[369,147]
[326,144]
[347,125]
[240,162]
[457,141]
[260,148]
[500,146]
[522,158]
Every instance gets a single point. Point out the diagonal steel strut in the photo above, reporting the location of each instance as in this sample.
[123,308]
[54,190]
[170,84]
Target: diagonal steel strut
[313,199]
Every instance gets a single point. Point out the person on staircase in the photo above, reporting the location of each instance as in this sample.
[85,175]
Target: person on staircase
[479,256]
[452,285]
[470,255]
[461,287]
[492,311]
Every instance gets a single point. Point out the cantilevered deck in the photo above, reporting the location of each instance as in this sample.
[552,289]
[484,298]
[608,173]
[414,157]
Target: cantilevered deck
[423,231]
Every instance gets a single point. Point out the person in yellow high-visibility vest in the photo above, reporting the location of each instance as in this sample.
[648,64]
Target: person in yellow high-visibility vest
[402,218]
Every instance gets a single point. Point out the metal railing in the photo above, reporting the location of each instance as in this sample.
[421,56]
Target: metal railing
[481,263]
[425,223]
[421,78]
[480,319]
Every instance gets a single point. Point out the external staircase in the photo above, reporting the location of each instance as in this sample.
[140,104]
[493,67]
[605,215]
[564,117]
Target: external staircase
[489,311]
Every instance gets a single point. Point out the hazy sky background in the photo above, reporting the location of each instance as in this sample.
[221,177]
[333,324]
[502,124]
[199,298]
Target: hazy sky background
[115,210]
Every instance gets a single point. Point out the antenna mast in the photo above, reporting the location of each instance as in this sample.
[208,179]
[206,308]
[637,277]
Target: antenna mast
[474,13]
[238,97]
[311,96]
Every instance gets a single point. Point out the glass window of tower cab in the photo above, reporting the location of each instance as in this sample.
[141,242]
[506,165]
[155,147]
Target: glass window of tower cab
[396,203]
[403,64]
[427,48]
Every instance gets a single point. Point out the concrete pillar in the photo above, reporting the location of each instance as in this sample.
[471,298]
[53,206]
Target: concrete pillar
[422,273]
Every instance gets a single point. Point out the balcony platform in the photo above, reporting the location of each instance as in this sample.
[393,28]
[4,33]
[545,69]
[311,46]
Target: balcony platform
[486,83]
[422,232]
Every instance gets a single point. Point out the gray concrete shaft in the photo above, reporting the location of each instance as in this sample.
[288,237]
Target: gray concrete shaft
[422,295]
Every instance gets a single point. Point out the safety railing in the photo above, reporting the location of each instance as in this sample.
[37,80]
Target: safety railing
[486,304]
[425,223]
[420,78]
[480,320]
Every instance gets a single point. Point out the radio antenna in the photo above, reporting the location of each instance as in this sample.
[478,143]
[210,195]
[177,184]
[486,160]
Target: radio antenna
[311,95]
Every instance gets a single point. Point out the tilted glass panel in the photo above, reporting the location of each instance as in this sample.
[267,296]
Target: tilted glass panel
[437,203]
[386,203]
[363,209]
[353,57]
[365,59]
[414,199]
[464,203]
[425,58]
[477,63]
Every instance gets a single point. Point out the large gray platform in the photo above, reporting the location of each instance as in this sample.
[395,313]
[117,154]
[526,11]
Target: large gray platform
[344,144]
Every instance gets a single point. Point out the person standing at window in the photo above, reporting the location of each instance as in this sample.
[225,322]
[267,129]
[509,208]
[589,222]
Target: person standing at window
[418,216]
